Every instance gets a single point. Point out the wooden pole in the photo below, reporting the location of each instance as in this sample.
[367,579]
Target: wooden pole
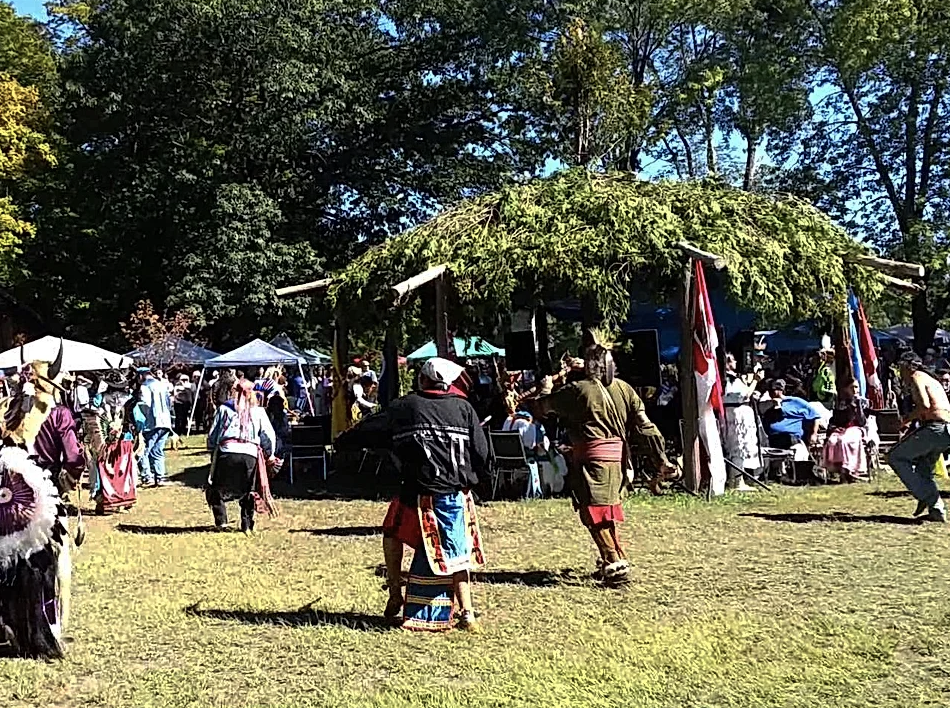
[691,466]
[902,284]
[899,268]
[710,259]
[389,390]
[304,287]
[400,290]
[340,412]
[441,318]
[541,332]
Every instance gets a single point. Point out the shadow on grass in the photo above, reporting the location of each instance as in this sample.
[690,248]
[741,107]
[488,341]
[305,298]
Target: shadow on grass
[163,530]
[343,531]
[891,494]
[525,578]
[306,616]
[839,517]
[196,476]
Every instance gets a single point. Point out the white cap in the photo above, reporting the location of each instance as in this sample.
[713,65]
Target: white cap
[442,371]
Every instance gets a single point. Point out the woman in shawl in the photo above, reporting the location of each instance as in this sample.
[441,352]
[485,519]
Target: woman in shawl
[242,442]
[844,448]
[741,429]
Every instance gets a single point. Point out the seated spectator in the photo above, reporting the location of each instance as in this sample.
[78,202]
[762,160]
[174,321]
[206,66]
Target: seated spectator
[844,449]
[789,421]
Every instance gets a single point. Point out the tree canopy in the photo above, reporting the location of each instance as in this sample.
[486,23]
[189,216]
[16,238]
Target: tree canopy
[197,154]
[604,237]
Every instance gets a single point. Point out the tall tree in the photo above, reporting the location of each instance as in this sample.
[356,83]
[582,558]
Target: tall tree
[280,136]
[27,81]
[878,154]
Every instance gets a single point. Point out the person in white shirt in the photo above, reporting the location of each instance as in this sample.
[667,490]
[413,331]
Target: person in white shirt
[242,441]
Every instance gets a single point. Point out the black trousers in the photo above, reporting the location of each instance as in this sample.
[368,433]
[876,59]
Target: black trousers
[182,413]
[234,476]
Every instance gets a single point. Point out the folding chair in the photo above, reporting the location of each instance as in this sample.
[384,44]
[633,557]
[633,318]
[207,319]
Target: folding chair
[509,455]
[308,442]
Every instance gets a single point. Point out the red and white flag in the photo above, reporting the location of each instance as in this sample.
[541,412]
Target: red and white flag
[708,382]
[875,391]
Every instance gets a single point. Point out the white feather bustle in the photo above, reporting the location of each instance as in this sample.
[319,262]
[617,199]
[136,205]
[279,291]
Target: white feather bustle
[41,530]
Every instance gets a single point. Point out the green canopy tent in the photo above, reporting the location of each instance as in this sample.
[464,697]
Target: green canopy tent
[471,348]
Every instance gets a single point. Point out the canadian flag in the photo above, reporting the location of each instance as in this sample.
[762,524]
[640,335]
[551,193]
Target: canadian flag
[875,391]
[708,383]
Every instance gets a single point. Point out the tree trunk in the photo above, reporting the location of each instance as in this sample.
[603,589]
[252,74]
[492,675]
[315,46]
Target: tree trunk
[748,178]
[710,134]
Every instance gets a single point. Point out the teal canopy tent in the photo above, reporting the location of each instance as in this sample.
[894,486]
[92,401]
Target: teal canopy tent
[471,348]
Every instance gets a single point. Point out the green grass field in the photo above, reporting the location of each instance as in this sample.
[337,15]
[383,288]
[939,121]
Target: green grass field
[811,597]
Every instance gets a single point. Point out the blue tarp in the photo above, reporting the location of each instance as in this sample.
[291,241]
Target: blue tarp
[665,319]
[310,356]
[472,347]
[255,353]
[172,350]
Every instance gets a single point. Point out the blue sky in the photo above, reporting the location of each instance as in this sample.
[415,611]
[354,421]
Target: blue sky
[31,7]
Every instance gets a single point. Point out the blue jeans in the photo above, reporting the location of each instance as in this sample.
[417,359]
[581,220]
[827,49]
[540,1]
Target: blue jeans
[914,460]
[152,462]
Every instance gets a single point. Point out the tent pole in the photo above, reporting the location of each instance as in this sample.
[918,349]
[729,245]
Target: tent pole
[306,388]
[194,403]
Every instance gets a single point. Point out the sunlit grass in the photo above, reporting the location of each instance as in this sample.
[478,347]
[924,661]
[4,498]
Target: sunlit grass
[730,606]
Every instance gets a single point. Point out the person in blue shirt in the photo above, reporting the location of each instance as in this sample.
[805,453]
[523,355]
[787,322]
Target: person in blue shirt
[792,420]
[154,420]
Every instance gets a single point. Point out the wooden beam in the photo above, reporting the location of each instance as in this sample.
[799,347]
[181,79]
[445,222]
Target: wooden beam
[304,287]
[710,259]
[899,268]
[902,284]
[417,281]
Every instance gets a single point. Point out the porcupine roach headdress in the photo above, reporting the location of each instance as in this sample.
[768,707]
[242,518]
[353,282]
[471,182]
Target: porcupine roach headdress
[24,412]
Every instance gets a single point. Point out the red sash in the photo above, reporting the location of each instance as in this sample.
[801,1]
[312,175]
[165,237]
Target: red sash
[602,450]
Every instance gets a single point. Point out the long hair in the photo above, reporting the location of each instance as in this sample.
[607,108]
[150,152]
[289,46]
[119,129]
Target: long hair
[244,400]
[599,364]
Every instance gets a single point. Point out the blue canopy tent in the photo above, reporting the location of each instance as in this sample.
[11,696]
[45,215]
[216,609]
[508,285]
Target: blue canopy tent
[906,333]
[310,356]
[172,350]
[472,348]
[254,353]
[805,337]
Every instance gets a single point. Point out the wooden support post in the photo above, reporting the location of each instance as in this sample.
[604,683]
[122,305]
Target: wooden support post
[303,287]
[389,383]
[691,466]
[340,412]
[441,319]
[541,332]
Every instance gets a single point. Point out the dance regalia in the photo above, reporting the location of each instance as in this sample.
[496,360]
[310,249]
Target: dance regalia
[443,531]
[112,460]
[35,566]
[441,448]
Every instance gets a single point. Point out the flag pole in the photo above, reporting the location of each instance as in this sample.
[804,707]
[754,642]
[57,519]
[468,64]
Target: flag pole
[687,371]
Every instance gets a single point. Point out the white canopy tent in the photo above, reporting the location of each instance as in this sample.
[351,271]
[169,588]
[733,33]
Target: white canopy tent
[77,356]
[254,353]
